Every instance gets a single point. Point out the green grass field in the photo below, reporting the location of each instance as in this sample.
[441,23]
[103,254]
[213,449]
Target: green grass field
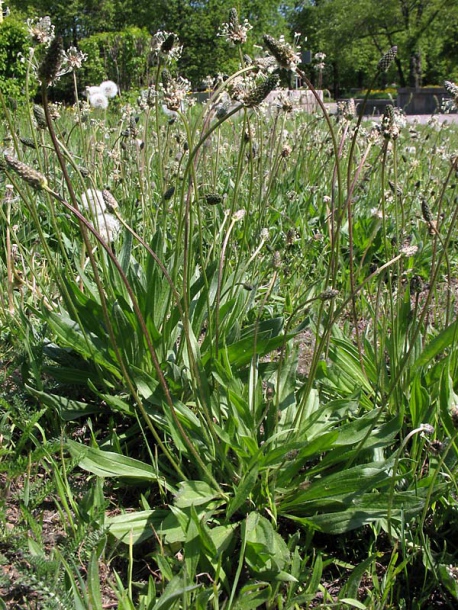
[229,353]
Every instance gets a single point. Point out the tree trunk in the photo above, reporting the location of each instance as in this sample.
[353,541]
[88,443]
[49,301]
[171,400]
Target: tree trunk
[415,76]
[402,78]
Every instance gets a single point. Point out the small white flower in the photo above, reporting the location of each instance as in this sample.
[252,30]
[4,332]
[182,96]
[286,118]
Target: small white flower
[98,100]
[74,58]
[234,31]
[93,200]
[377,213]
[427,428]
[41,29]
[109,88]
[408,250]
[238,215]
[171,114]
[175,93]
[286,55]
[147,97]
[159,50]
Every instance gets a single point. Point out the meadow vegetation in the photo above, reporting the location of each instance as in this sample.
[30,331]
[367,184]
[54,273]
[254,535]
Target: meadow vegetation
[228,344]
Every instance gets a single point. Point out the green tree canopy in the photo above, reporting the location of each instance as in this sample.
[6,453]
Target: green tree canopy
[354,33]
[195,22]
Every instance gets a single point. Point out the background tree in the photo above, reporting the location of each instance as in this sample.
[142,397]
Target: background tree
[195,22]
[73,19]
[14,44]
[353,34]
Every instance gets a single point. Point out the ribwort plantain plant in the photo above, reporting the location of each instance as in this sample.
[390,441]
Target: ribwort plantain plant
[170,265]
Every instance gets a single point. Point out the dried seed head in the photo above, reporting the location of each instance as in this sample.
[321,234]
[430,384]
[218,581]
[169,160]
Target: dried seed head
[387,59]
[147,98]
[110,201]
[98,100]
[109,88]
[93,200]
[28,174]
[346,109]
[50,66]
[213,198]
[261,91]
[40,117]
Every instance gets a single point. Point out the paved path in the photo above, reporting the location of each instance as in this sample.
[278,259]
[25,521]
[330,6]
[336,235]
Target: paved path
[411,118]
[422,119]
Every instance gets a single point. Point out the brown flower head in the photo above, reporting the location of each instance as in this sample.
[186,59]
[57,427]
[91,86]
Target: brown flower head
[234,31]
[283,52]
[49,69]
[27,173]
[260,92]
[387,59]
[41,30]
